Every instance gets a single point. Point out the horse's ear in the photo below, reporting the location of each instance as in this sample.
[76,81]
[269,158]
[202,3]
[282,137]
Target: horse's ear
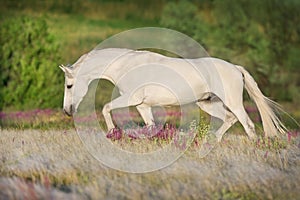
[67,70]
[63,68]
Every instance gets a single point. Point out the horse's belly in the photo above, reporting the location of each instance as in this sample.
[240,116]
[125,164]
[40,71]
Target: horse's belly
[164,96]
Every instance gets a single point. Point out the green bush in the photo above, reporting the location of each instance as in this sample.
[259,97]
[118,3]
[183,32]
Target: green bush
[29,56]
[263,36]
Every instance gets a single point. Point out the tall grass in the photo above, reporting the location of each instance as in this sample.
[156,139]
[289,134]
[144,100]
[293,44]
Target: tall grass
[55,164]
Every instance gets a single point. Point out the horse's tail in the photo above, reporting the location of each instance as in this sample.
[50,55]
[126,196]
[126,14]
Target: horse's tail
[271,123]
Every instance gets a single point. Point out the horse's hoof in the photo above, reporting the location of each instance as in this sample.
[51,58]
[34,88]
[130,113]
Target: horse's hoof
[114,134]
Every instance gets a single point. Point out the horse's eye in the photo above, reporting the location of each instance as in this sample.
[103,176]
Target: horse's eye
[69,86]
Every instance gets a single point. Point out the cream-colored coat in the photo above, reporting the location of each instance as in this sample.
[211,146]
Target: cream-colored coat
[147,79]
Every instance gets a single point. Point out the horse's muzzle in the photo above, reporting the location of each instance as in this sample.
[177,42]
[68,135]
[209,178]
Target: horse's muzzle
[70,111]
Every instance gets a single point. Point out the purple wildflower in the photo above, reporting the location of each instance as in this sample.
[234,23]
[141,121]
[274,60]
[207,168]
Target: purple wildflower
[115,134]
[266,154]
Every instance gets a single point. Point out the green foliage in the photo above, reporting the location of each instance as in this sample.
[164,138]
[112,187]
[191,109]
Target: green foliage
[202,129]
[227,194]
[261,35]
[29,55]
[182,10]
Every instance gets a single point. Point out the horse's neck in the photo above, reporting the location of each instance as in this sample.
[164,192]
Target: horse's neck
[98,64]
[124,62]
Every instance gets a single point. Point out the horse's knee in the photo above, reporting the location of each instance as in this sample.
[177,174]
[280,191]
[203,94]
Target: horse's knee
[251,125]
[106,109]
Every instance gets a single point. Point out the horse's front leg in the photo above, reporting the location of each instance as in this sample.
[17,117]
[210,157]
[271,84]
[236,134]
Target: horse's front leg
[120,102]
[146,114]
[107,116]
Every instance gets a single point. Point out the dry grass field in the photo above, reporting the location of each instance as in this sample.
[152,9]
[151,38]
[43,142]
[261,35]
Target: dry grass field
[48,164]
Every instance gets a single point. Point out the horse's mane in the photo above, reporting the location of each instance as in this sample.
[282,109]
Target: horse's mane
[100,52]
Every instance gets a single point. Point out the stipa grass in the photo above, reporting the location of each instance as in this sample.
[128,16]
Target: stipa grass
[39,164]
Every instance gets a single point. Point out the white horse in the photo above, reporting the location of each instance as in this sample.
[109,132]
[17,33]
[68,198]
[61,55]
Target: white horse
[215,85]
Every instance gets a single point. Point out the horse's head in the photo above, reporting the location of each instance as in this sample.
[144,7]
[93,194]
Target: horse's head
[68,106]
[76,88]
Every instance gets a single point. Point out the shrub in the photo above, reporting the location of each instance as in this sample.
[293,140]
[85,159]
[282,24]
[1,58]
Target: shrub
[29,55]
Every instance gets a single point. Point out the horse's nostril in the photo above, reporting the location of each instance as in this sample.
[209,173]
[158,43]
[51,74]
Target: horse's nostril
[67,113]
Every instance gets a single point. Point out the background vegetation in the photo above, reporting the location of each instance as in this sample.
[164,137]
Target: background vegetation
[261,35]
[37,36]
[28,54]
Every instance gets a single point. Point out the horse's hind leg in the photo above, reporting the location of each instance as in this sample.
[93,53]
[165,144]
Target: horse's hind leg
[235,104]
[146,113]
[230,119]
[217,109]
[241,114]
